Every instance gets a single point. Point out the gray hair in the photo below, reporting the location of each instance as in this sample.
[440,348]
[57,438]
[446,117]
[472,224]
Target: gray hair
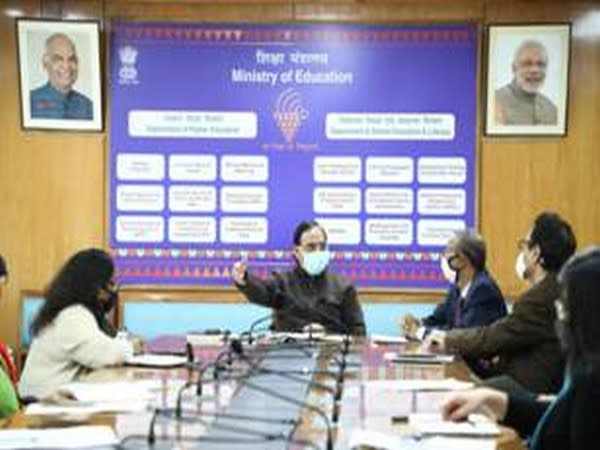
[472,245]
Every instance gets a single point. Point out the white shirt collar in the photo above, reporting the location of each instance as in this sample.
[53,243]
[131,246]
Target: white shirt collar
[464,291]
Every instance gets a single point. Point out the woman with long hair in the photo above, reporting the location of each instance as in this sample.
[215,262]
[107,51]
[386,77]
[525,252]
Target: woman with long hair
[71,334]
[570,421]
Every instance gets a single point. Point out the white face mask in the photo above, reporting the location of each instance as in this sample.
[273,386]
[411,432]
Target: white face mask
[315,263]
[521,266]
[449,273]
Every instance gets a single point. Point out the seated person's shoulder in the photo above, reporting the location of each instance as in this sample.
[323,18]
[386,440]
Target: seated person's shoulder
[77,314]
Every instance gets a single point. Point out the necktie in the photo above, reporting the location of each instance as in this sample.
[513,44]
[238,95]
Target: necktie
[458,312]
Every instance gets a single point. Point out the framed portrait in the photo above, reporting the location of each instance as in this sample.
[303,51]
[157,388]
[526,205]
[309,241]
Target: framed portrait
[527,80]
[59,74]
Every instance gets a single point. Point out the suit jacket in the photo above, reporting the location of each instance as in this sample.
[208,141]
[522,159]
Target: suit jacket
[570,423]
[524,341]
[483,305]
[299,299]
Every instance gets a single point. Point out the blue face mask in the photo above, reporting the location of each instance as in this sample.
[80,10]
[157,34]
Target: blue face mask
[314,263]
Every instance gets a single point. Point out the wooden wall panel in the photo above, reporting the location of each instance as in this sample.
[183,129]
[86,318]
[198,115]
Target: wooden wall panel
[52,184]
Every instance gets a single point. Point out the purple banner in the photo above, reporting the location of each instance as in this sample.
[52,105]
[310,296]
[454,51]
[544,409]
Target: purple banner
[224,137]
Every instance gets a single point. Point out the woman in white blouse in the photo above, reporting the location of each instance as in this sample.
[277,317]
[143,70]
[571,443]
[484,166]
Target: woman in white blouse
[71,334]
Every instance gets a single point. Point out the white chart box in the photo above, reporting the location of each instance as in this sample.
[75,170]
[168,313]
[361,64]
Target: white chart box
[375,126]
[150,229]
[390,170]
[389,200]
[442,170]
[244,168]
[443,202]
[388,232]
[192,198]
[193,124]
[140,197]
[437,232]
[336,200]
[341,231]
[193,167]
[140,167]
[244,199]
[337,169]
[244,230]
[192,229]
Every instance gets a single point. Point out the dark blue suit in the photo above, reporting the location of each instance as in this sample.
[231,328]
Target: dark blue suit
[48,103]
[483,305]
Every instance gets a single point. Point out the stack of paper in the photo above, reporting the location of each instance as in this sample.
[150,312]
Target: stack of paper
[360,438]
[387,339]
[418,358]
[74,437]
[448,384]
[160,361]
[477,425]
[82,398]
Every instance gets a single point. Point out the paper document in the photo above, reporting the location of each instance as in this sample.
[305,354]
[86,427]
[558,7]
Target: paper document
[418,358]
[477,425]
[360,438]
[160,361]
[72,437]
[448,384]
[388,339]
[84,409]
[122,390]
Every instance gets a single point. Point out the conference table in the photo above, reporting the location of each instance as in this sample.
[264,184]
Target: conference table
[273,396]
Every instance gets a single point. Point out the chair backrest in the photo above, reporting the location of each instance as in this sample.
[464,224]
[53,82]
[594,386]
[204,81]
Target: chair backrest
[30,304]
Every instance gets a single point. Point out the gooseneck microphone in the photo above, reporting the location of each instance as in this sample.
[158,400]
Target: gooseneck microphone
[253,326]
[302,404]
[254,437]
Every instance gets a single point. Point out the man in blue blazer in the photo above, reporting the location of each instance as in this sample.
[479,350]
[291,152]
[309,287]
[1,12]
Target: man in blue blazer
[474,298]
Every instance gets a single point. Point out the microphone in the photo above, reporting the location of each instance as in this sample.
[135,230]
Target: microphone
[273,393]
[260,436]
[287,299]
[198,383]
[253,326]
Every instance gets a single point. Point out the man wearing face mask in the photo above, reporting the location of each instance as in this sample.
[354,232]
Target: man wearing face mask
[307,294]
[524,342]
[474,298]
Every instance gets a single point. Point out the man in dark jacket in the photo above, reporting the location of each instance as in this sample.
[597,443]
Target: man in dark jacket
[307,294]
[474,298]
[524,343]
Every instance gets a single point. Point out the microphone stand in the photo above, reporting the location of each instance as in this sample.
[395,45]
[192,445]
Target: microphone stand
[273,393]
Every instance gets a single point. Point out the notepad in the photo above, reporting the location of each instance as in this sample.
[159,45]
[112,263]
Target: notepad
[159,361]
